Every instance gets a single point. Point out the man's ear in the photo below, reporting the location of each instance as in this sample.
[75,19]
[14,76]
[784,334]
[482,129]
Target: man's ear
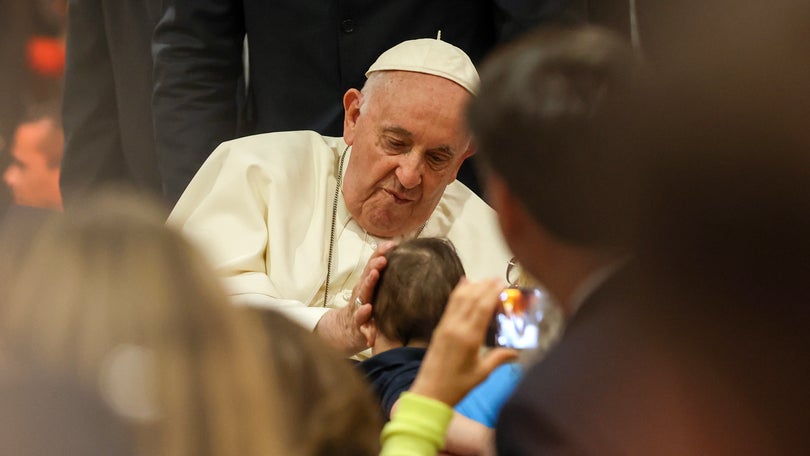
[500,197]
[351,111]
[467,154]
[369,331]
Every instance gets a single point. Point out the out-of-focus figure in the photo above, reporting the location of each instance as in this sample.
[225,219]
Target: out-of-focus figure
[33,174]
[329,409]
[76,420]
[111,299]
[107,109]
[31,64]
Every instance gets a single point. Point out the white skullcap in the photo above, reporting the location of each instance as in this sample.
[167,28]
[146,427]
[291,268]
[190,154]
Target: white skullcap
[430,56]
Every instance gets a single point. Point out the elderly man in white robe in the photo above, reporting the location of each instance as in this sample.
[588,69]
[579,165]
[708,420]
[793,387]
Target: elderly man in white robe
[300,223]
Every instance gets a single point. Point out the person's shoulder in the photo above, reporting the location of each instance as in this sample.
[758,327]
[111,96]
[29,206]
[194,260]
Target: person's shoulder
[472,226]
[300,138]
[282,146]
[459,196]
[461,210]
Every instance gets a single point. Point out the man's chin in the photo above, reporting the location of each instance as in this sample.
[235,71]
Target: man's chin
[386,228]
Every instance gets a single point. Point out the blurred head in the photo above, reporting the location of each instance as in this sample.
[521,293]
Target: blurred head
[408,138]
[112,297]
[725,200]
[724,214]
[537,124]
[413,291]
[33,174]
[561,193]
[328,407]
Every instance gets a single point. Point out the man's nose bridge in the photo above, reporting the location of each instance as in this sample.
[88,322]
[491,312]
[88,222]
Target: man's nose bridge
[415,160]
[411,165]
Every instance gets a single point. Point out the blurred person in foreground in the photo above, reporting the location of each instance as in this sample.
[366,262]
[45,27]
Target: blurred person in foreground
[33,174]
[127,307]
[709,351]
[328,405]
[44,414]
[300,222]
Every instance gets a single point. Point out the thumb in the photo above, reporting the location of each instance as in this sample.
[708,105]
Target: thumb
[495,357]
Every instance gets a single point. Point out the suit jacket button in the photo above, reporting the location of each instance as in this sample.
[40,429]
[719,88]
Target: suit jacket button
[347,26]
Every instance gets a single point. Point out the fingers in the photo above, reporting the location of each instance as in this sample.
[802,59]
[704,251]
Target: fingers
[371,273]
[362,315]
[364,290]
[470,309]
[495,358]
[377,260]
[452,365]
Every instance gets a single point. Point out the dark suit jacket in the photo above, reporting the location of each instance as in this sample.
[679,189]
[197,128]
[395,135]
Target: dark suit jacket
[303,56]
[677,374]
[107,114]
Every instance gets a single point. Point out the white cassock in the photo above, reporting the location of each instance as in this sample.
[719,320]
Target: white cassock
[261,207]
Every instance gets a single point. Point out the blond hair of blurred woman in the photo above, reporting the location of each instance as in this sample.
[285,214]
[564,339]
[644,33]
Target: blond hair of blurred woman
[116,299]
[328,404]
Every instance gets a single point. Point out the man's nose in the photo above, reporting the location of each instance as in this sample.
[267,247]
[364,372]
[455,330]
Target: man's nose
[409,171]
[10,176]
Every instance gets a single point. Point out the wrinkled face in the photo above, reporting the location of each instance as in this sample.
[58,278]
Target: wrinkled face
[31,180]
[408,142]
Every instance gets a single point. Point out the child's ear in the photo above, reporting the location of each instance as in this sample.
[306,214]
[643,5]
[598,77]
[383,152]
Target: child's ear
[369,331]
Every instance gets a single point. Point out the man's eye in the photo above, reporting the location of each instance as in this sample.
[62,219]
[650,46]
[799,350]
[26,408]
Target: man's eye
[395,143]
[437,159]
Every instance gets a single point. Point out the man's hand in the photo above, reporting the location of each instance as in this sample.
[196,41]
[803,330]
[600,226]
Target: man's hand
[453,365]
[341,327]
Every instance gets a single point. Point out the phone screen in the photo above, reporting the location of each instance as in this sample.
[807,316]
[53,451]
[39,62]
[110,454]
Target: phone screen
[516,323]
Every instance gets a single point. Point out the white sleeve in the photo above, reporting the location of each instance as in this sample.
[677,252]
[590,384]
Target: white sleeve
[296,311]
[224,211]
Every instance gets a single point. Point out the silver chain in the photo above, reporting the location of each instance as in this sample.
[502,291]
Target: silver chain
[332,230]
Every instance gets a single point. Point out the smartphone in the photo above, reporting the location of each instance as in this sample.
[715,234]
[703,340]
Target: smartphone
[517,319]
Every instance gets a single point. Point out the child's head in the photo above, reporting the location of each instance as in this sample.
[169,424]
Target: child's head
[413,290]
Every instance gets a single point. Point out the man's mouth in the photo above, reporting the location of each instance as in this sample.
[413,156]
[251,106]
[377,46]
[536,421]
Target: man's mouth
[399,198]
